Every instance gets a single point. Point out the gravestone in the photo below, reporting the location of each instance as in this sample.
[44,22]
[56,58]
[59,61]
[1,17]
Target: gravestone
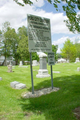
[9,67]
[43,72]
[0,78]
[20,86]
[17,85]
[77,60]
[13,84]
[34,63]
[56,71]
[78,68]
[20,63]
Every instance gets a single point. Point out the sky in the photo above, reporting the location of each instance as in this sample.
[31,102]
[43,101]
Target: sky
[17,16]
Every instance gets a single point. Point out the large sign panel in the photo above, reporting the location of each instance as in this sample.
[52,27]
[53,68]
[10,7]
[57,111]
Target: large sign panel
[51,59]
[39,34]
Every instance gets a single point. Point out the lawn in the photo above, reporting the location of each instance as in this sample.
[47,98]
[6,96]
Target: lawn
[54,106]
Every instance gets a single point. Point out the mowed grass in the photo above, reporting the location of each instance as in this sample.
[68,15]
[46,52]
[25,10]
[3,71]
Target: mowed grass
[54,106]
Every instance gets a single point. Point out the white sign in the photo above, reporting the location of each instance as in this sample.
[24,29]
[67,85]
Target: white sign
[39,34]
[51,59]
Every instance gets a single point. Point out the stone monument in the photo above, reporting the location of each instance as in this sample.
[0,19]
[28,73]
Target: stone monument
[43,72]
[9,67]
[0,78]
[78,68]
[20,63]
[34,63]
[77,60]
[17,85]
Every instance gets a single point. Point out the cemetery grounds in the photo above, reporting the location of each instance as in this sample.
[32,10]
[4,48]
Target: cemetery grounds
[58,105]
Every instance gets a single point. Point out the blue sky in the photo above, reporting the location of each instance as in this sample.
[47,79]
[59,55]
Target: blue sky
[17,16]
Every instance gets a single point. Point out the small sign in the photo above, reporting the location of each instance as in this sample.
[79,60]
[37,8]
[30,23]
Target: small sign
[39,34]
[51,59]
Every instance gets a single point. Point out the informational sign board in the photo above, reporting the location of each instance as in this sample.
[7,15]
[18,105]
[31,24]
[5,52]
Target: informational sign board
[51,59]
[39,34]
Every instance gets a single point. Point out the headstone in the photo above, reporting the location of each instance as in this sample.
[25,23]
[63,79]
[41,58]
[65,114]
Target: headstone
[9,68]
[20,63]
[56,71]
[78,69]
[77,60]
[34,63]
[0,78]
[43,72]
[20,86]
[17,85]
[13,84]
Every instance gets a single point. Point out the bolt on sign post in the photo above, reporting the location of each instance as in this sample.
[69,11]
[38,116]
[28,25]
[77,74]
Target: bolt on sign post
[39,36]
[51,61]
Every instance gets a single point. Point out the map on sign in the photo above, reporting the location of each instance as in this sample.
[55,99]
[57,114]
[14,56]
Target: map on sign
[39,34]
[51,59]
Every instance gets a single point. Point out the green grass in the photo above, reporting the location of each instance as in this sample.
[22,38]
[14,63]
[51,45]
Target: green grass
[54,106]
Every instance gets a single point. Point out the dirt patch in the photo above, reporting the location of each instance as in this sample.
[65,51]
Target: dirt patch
[77,112]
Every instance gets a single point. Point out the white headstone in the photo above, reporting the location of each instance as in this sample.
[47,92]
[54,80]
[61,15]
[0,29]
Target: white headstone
[56,71]
[0,78]
[13,84]
[34,63]
[17,85]
[20,63]
[77,60]
[20,86]
[9,68]
[43,72]
[78,69]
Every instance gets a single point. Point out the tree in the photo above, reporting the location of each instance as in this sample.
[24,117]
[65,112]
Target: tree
[77,45]
[4,48]
[22,31]
[69,51]
[54,49]
[12,42]
[35,56]
[23,43]
[70,7]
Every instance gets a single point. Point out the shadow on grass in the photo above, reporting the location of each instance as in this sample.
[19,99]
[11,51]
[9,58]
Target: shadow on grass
[56,105]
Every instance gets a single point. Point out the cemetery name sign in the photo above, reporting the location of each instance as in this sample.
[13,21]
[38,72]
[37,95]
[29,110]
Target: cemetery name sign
[39,34]
[51,59]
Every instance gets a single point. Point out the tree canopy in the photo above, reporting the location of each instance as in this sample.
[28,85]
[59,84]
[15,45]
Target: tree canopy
[69,51]
[54,49]
[70,7]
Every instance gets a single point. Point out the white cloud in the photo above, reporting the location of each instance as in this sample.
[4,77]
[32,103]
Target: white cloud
[60,41]
[63,39]
[17,15]
[38,3]
[58,51]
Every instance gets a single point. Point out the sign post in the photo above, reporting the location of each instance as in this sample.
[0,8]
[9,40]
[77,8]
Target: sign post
[39,37]
[51,61]
[31,73]
[51,77]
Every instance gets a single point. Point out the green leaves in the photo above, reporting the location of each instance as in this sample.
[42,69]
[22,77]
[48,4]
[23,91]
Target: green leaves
[69,7]
[54,49]
[23,43]
[69,51]
[24,2]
